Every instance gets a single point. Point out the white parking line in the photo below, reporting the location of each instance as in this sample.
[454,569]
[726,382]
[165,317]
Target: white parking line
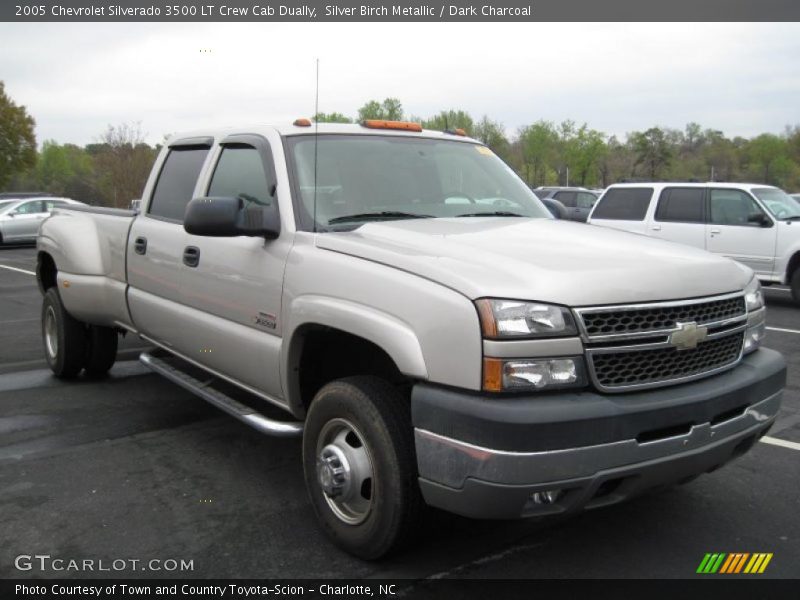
[16,269]
[783,330]
[782,443]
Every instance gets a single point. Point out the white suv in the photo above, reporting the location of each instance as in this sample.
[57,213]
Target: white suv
[758,225]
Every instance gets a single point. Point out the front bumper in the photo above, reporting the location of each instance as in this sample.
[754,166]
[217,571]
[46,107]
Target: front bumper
[484,456]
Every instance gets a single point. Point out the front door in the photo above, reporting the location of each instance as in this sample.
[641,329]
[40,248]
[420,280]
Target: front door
[23,222]
[740,229]
[233,293]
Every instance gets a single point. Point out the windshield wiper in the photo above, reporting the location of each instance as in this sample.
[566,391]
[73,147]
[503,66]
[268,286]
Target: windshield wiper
[384,214]
[792,218]
[497,213]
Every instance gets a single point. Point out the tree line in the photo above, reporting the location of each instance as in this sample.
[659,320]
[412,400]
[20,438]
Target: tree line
[113,170]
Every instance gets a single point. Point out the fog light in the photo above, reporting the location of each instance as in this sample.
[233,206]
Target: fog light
[753,337]
[548,497]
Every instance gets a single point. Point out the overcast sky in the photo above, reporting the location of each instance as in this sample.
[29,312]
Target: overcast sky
[75,79]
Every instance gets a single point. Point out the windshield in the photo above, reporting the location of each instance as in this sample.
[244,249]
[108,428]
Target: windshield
[778,202]
[7,205]
[364,178]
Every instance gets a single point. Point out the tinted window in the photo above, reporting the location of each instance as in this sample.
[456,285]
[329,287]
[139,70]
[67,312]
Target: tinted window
[240,173]
[37,206]
[682,205]
[566,198]
[733,207]
[624,204]
[176,182]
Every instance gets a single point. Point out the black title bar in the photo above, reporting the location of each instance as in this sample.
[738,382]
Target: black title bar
[241,11]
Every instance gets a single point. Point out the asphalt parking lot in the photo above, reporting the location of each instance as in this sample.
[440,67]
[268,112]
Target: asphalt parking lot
[133,467]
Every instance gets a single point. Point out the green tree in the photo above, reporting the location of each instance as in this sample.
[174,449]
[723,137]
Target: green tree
[538,147]
[652,149]
[390,109]
[491,133]
[769,157]
[333,117]
[450,119]
[123,162]
[17,139]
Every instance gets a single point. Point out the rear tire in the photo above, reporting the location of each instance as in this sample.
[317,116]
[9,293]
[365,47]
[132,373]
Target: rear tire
[360,466]
[102,350]
[64,337]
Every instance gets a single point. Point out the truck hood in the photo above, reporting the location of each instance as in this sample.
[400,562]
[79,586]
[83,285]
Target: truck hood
[541,259]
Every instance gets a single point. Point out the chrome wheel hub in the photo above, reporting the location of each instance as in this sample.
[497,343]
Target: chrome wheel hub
[50,332]
[344,471]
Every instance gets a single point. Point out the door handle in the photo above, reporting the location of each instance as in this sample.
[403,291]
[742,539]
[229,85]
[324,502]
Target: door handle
[656,227]
[140,245]
[715,231]
[191,256]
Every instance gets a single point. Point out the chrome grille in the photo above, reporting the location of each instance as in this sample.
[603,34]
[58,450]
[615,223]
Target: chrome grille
[642,367]
[645,345]
[608,321]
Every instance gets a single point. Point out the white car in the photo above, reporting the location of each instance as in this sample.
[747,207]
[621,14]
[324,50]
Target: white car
[20,218]
[755,224]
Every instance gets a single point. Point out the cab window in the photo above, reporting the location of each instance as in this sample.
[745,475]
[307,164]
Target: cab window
[240,174]
[176,182]
[681,205]
[734,207]
[27,208]
[624,204]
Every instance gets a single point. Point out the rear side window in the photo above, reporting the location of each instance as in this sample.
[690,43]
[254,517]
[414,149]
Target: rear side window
[176,182]
[240,174]
[624,204]
[568,199]
[681,205]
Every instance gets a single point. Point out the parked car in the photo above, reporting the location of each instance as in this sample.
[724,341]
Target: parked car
[20,219]
[755,224]
[577,201]
[420,319]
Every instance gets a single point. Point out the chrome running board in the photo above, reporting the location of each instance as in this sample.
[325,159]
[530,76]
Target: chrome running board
[222,401]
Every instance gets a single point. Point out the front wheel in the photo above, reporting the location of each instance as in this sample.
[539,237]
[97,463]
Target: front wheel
[360,466]
[795,283]
[64,337]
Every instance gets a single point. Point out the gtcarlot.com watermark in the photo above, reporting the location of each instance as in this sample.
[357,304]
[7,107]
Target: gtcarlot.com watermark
[45,562]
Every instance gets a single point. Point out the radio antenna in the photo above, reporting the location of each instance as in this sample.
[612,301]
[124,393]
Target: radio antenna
[316,138]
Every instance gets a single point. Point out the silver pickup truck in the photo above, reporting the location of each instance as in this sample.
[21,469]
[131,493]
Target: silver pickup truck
[402,300]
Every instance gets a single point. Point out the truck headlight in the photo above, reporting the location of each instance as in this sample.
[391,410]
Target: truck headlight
[516,319]
[536,374]
[753,296]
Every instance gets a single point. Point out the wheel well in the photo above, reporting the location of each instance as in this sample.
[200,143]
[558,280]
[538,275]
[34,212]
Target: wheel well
[794,264]
[322,354]
[46,272]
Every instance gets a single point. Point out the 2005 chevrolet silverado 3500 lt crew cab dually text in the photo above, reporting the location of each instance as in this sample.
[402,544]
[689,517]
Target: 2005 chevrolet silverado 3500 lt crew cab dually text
[436,336]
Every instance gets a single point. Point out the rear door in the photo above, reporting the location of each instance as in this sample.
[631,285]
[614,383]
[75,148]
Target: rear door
[680,216]
[233,291]
[733,229]
[569,199]
[156,243]
[23,222]
[623,208]
[583,205]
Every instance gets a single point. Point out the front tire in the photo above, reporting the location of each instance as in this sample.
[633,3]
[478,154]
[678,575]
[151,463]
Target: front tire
[795,284]
[360,466]
[64,337]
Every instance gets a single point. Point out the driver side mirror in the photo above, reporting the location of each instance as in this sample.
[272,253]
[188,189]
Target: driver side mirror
[228,217]
[759,219]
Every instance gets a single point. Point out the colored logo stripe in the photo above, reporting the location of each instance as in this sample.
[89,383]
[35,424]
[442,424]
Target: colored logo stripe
[734,562]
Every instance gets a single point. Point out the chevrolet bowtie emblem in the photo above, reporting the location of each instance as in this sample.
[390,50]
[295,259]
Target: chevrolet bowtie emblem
[688,335]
